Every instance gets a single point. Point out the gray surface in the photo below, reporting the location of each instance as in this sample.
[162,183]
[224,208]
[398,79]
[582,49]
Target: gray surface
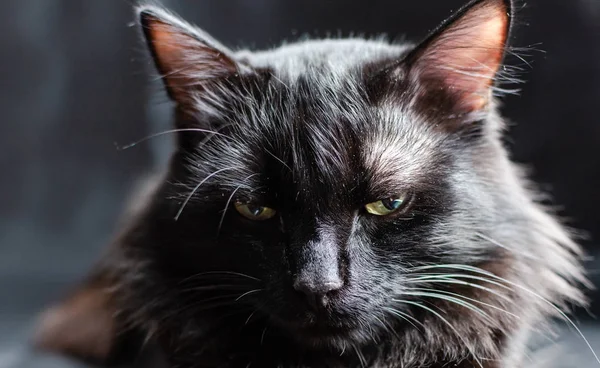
[73,81]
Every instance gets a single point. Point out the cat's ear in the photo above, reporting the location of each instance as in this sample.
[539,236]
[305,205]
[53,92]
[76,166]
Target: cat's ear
[463,56]
[187,59]
[83,326]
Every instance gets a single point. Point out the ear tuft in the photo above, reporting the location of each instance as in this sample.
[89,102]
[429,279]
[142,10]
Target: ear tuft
[463,56]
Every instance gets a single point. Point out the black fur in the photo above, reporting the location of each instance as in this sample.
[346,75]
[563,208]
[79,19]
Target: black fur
[316,131]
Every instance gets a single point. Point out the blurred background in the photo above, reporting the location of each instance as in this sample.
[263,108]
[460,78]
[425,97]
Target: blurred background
[75,81]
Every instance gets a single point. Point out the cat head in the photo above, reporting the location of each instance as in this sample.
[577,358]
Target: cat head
[329,171]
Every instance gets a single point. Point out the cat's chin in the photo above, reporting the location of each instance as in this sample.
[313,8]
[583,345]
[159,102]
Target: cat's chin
[336,338]
[325,335]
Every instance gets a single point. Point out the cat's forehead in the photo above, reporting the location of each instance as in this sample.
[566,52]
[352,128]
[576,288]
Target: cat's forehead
[329,55]
[330,134]
[314,117]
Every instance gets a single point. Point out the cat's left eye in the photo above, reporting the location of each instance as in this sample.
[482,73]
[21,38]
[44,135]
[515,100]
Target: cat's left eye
[388,206]
[254,212]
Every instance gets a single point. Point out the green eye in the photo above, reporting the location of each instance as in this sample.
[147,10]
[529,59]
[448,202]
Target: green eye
[253,212]
[387,206]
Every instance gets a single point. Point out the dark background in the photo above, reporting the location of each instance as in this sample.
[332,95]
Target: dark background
[75,79]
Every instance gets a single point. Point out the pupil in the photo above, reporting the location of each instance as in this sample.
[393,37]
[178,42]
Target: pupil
[255,210]
[392,203]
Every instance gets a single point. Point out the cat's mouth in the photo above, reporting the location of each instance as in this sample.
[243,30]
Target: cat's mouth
[319,328]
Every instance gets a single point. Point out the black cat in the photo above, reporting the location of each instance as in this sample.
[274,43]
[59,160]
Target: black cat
[331,203]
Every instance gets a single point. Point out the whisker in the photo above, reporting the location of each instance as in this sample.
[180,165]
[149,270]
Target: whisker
[248,293]
[229,201]
[448,324]
[445,279]
[202,306]
[530,292]
[262,336]
[405,316]
[452,276]
[250,317]
[127,146]
[470,299]
[226,273]
[218,298]
[197,187]
[386,326]
[451,299]
[465,283]
[212,288]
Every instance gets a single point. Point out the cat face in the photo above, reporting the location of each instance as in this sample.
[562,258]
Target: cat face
[327,172]
[326,198]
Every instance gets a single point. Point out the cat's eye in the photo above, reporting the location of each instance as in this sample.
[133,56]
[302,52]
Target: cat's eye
[254,212]
[388,206]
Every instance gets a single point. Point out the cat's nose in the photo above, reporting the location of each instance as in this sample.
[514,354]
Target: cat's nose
[318,271]
[318,293]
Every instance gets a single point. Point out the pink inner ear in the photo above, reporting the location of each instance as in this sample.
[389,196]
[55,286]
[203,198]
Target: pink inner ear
[181,55]
[466,56]
[185,61]
[167,44]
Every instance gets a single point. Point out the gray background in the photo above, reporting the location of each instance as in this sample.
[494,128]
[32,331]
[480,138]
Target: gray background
[74,79]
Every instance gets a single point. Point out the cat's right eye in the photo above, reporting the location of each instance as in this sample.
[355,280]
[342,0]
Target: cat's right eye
[254,212]
[388,206]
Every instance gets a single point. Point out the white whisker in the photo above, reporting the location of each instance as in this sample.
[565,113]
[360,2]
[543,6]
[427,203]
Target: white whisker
[521,287]
[211,132]
[197,187]
[248,293]
[229,202]
[448,324]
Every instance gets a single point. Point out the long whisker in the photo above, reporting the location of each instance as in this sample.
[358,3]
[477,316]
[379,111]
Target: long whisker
[227,273]
[454,276]
[405,316]
[229,297]
[390,328]
[450,299]
[469,299]
[445,280]
[448,324]
[250,317]
[197,187]
[262,336]
[217,287]
[209,304]
[530,292]
[127,146]
[229,202]
[247,293]
[386,326]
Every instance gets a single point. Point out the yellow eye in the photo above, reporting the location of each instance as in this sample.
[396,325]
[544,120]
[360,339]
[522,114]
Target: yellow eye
[253,212]
[387,206]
